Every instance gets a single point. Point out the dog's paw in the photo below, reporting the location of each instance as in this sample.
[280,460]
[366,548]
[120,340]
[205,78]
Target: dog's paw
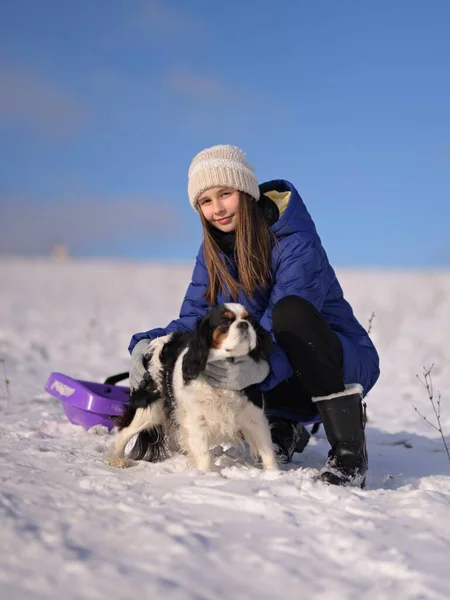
[119,462]
[269,463]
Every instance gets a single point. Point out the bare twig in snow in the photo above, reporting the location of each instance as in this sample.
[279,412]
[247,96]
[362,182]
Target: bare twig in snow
[7,382]
[427,382]
[372,316]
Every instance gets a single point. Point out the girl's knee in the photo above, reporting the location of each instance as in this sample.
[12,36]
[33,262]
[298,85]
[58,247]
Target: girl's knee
[291,309]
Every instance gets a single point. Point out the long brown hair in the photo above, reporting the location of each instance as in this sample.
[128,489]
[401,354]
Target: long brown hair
[254,241]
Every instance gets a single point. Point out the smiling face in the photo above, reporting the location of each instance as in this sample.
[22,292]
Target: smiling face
[219,206]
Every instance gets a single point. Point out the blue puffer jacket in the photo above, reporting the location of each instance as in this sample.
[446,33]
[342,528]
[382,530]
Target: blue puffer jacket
[300,267]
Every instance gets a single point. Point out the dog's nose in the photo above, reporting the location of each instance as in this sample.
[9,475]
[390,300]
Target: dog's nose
[242,325]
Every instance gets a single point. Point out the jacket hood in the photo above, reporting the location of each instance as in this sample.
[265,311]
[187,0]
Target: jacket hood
[294,217]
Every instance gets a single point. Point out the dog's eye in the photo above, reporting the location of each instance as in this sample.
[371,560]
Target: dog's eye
[228,317]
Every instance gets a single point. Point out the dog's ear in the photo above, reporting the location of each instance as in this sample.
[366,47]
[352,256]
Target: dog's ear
[264,343]
[194,361]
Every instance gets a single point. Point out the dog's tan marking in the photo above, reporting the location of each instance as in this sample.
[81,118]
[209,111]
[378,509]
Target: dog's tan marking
[244,315]
[229,315]
[218,338]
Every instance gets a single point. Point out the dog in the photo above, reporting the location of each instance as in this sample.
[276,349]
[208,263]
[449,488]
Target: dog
[179,411]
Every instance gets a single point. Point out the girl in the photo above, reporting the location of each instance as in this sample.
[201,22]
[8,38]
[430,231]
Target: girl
[261,249]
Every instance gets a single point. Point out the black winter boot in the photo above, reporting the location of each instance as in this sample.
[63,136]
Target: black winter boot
[344,419]
[288,437]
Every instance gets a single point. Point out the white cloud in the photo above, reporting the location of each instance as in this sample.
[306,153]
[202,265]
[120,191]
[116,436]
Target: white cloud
[207,88]
[31,227]
[160,17]
[27,97]
[225,107]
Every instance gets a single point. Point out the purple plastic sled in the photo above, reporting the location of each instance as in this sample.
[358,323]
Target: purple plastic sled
[87,403]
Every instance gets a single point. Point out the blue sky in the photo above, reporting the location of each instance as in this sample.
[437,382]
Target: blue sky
[104,103]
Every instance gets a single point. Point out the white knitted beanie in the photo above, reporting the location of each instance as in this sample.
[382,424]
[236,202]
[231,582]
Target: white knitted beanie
[221,166]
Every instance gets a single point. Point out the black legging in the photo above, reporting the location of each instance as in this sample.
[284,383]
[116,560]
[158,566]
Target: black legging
[314,351]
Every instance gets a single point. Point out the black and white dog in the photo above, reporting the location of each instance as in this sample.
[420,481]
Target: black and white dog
[179,411]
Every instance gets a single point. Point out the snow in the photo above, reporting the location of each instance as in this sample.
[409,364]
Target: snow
[72,527]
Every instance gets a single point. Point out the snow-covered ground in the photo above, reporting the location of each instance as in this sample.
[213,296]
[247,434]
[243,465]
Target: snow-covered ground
[73,527]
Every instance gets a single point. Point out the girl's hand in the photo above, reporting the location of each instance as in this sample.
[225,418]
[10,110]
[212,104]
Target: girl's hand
[236,375]
[139,375]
